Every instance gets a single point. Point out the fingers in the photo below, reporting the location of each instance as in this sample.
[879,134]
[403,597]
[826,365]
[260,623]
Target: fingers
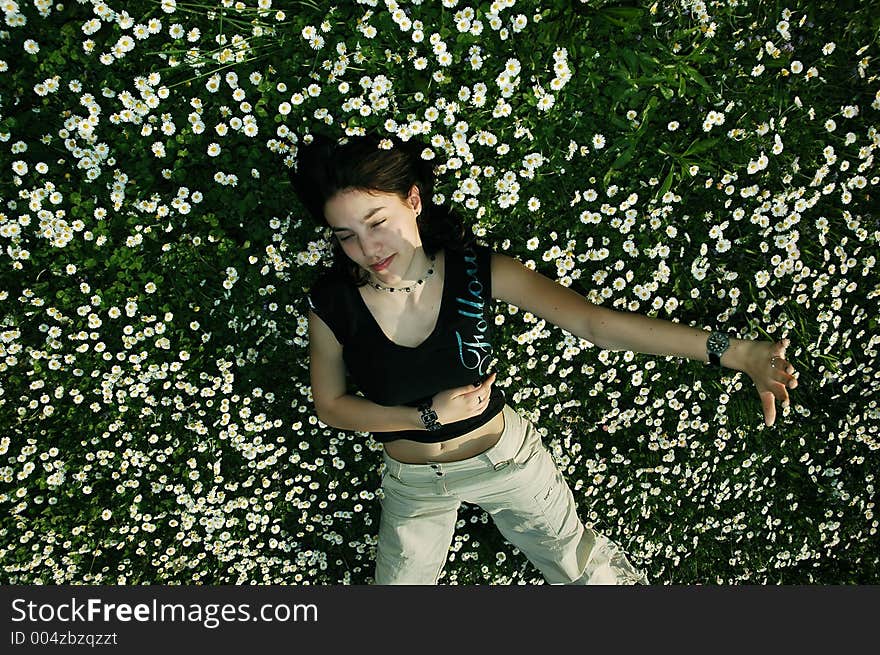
[468,401]
[479,389]
[484,391]
[483,388]
[783,374]
[782,394]
[785,368]
[768,404]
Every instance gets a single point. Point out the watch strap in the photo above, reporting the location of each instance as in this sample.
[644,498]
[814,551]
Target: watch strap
[429,417]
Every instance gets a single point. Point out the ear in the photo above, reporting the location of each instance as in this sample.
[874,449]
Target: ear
[414,198]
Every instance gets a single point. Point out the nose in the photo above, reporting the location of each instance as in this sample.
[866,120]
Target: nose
[370,247]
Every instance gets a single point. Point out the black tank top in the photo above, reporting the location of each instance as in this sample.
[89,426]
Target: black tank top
[458,352]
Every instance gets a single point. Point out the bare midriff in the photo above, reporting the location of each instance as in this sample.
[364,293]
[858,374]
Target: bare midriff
[452,450]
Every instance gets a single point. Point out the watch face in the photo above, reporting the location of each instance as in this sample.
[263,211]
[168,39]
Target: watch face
[718,342]
[429,418]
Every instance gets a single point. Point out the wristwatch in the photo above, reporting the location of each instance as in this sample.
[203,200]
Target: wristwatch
[429,417]
[716,345]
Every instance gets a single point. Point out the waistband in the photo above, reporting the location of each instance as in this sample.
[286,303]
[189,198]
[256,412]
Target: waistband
[497,457]
[497,399]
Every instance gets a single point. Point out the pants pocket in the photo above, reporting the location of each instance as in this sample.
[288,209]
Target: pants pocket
[554,500]
[539,496]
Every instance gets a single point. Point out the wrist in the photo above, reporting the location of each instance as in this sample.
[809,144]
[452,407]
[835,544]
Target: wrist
[737,354]
[415,418]
[725,350]
[428,417]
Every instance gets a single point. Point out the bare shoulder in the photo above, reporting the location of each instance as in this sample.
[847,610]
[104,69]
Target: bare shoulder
[508,274]
[321,337]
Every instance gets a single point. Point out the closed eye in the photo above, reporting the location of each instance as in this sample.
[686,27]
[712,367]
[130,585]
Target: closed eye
[376,224]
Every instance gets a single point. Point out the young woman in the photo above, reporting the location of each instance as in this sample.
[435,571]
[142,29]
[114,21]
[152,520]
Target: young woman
[406,312]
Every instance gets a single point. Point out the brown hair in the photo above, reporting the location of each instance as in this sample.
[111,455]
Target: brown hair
[326,167]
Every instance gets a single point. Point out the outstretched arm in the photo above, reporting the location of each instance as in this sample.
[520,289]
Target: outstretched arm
[763,361]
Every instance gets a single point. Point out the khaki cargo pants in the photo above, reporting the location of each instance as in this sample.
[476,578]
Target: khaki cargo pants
[518,484]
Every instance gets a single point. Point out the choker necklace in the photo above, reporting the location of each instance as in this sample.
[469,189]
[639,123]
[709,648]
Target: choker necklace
[408,289]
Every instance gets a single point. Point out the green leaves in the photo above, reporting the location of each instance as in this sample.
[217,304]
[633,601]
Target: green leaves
[624,157]
[695,75]
[667,183]
[628,18]
[699,145]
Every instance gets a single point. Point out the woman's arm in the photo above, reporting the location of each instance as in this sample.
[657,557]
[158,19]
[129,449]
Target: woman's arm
[333,405]
[518,285]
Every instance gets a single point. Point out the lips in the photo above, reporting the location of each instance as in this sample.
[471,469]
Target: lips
[381,266]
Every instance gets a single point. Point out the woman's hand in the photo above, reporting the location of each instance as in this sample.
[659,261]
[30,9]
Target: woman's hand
[772,374]
[461,403]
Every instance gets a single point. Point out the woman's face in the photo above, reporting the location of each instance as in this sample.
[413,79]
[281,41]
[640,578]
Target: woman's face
[377,228]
